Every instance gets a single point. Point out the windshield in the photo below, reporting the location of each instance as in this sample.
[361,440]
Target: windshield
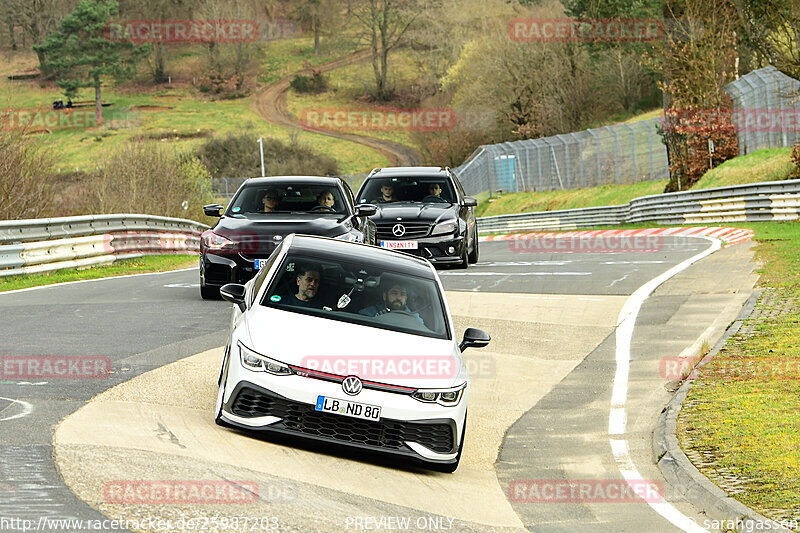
[288,198]
[359,293]
[430,189]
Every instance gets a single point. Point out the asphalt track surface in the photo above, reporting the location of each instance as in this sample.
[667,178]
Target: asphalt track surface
[144,322]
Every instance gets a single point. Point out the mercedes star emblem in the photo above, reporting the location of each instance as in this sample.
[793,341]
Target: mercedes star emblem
[398,230]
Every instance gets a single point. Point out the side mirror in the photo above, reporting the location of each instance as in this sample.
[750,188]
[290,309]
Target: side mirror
[234,293]
[473,338]
[213,210]
[469,201]
[366,210]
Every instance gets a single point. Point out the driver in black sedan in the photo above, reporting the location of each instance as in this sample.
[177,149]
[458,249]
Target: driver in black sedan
[325,200]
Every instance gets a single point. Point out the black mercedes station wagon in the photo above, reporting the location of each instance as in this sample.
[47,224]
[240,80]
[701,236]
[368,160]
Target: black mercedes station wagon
[263,211]
[423,211]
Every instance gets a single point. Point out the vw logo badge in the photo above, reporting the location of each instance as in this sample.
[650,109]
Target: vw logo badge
[398,230]
[351,385]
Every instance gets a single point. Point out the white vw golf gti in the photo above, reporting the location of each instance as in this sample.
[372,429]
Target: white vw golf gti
[351,344]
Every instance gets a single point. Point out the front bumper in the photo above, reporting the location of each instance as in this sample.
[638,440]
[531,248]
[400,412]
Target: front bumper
[435,249]
[218,269]
[427,433]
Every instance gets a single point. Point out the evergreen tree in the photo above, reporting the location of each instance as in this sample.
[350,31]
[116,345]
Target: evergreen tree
[80,54]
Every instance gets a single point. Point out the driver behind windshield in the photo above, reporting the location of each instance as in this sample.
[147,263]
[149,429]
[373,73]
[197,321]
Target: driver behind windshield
[325,200]
[435,190]
[387,194]
[395,296]
[270,200]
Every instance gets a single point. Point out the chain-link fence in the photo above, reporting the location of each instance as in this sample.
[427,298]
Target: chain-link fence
[766,115]
[766,105]
[615,155]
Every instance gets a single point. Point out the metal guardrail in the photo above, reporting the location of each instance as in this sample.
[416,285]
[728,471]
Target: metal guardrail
[28,246]
[39,245]
[756,202]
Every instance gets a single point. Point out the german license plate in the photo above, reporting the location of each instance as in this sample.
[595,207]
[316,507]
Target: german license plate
[348,408]
[260,263]
[400,245]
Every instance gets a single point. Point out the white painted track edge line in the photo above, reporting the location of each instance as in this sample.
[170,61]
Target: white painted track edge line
[26,409]
[617,414]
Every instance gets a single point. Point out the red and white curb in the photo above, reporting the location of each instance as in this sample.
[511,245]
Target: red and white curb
[729,236]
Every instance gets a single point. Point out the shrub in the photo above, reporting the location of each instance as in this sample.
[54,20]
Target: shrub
[314,84]
[151,179]
[27,183]
[687,134]
[795,174]
[237,156]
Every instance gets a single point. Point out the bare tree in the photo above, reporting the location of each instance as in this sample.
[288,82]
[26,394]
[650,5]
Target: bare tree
[26,175]
[37,18]
[773,27]
[318,13]
[157,10]
[231,60]
[384,24]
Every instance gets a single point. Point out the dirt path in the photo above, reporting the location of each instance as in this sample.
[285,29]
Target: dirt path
[270,103]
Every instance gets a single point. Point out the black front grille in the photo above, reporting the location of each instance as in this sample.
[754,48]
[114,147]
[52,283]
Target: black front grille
[414,230]
[302,418]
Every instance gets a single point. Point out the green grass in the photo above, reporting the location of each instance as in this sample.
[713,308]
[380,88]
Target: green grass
[743,408]
[188,112]
[770,164]
[282,57]
[747,421]
[627,117]
[149,263]
[525,202]
[348,87]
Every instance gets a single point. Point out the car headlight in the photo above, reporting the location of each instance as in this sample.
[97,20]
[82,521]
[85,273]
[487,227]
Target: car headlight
[216,242]
[444,227]
[349,237]
[256,361]
[445,397]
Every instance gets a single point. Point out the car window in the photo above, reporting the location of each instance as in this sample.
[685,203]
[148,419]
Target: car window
[417,189]
[262,274]
[288,198]
[359,293]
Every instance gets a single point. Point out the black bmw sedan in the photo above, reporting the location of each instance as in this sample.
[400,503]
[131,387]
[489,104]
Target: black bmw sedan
[263,211]
[423,211]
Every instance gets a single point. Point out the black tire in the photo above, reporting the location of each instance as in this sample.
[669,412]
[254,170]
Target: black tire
[209,293]
[450,468]
[474,254]
[464,258]
[222,380]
